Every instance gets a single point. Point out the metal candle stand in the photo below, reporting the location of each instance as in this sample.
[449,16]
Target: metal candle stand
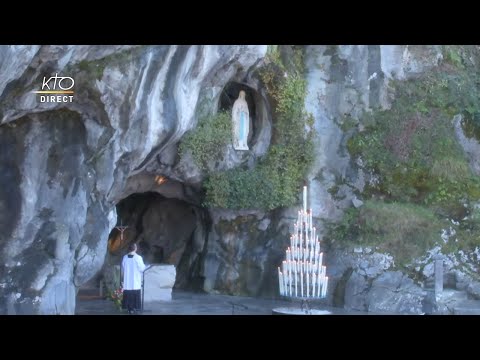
[302,275]
[305,304]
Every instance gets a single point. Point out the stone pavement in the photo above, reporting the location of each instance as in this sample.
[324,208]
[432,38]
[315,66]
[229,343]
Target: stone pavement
[188,303]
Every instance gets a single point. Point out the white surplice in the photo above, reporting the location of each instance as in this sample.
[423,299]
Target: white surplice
[132,272]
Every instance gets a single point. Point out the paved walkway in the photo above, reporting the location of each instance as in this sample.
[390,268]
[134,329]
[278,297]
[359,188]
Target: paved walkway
[187,303]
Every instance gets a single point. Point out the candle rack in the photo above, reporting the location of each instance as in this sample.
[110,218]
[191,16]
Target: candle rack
[303,275]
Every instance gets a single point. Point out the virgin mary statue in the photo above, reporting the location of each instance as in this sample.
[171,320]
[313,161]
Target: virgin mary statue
[241,122]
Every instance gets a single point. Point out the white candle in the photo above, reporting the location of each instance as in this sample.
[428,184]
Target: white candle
[295,275]
[301,283]
[308,283]
[314,278]
[280,281]
[319,282]
[301,232]
[305,199]
[289,287]
[324,290]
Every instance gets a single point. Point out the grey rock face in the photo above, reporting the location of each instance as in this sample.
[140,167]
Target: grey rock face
[474,290]
[356,291]
[241,259]
[393,292]
[470,146]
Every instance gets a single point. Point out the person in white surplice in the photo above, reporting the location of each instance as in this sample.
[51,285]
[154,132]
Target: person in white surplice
[132,269]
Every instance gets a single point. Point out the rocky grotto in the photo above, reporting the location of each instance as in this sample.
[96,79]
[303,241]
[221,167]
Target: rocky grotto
[386,137]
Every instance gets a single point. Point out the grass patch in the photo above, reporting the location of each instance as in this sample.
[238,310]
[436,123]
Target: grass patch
[403,230]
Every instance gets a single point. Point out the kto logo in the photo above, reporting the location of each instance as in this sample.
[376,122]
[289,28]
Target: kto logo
[57,87]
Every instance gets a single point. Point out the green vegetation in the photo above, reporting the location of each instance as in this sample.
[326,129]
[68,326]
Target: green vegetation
[278,176]
[424,177]
[405,230]
[94,68]
[209,139]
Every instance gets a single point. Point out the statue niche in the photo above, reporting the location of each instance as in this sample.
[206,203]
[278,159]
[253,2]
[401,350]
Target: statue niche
[241,122]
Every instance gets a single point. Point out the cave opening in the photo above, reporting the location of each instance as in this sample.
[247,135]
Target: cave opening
[166,230]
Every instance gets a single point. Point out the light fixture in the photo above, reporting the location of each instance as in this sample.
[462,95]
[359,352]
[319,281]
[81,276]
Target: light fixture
[159,179]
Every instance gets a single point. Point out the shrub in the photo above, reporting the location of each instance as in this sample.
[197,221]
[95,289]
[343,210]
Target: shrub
[208,140]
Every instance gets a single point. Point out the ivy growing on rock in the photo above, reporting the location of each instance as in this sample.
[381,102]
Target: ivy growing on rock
[208,141]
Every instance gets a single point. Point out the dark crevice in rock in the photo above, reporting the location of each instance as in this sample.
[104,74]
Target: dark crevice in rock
[375,74]
[339,292]
[11,152]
